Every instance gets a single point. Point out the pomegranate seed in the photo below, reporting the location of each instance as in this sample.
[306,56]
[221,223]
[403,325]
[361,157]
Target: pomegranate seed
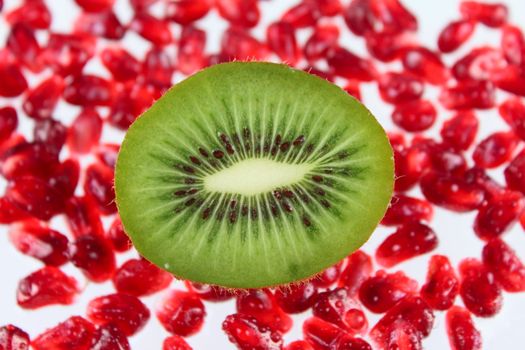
[328,277]
[444,158]
[479,289]
[513,112]
[515,173]
[110,337]
[296,298]
[352,88]
[28,159]
[237,44]
[40,102]
[98,184]
[23,44]
[84,132]
[338,307]
[462,334]
[492,189]
[74,333]
[93,255]
[132,101]
[36,239]
[320,334]
[357,270]
[281,40]
[387,47]
[442,285]
[175,342]
[399,87]
[13,338]
[460,130]
[122,65]
[491,15]
[417,115]
[513,45]
[208,292]
[126,312]
[495,150]
[141,5]
[506,266]
[347,342]
[359,17]
[8,122]
[10,212]
[118,237]
[468,94]
[13,81]
[479,64]
[107,154]
[394,17]
[51,133]
[320,42]
[298,345]
[181,313]
[403,336]
[82,217]
[262,305]
[103,25]
[242,13]
[410,240]
[90,90]
[190,55]
[138,277]
[327,8]
[382,291]
[350,66]
[404,209]
[158,68]
[32,13]
[425,64]
[410,165]
[302,15]
[68,54]
[187,11]
[95,5]
[455,34]
[246,333]
[47,286]
[64,178]
[152,29]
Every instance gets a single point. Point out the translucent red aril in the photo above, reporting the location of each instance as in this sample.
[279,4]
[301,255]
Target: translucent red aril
[479,289]
[399,87]
[327,8]
[417,115]
[299,345]
[138,277]
[410,240]
[515,173]
[64,178]
[492,188]
[350,66]
[455,34]
[10,212]
[513,112]
[462,334]
[353,89]
[410,164]
[425,64]
[103,25]
[394,17]
[320,334]
[187,11]
[495,150]
[468,94]
[208,292]
[118,237]
[322,39]
[347,342]
[51,133]
[28,159]
[479,64]
[98,184]
[296,298]
[383,290]
[281,39]
[444,158]
[404,209]
[238,44]
[40,102]
[247,334]
[82,217]
[36,239]
[95,5]
[89,91]
[243,13]
[492,15]
[175,342]
[302,15]
[451,192]
[513,45]
[13,81]
[190,56]
[506,266]
[152,29]
[131,101]
[387,47]
[338,307]
[109,337]
[33,13]
[442,285]
[126,312]
[23,44]
[93,255]
[358,17]
[261,304]
[358,269]
[181,313]
[328,277]
[13,338]
[158,68]
[460,131]
[47,286]
[74,333]
[122,65]
[8,122]
[67,54]
[106,153]
[85,131]
[402,336]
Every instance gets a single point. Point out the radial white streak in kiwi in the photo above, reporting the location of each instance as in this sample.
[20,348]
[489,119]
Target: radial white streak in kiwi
[255,176]
[263,237]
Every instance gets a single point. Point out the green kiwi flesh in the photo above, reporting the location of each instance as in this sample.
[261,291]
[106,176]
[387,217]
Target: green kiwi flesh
[252,174]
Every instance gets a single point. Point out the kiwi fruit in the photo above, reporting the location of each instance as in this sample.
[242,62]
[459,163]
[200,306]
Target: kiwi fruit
[252,174]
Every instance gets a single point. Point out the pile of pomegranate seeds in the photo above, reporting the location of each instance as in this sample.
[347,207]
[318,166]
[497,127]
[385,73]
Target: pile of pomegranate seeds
[57,160]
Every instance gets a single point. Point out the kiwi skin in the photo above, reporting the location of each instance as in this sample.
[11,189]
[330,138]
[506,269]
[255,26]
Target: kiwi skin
[142,246]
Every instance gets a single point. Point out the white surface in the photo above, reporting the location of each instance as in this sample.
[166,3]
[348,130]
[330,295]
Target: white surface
[456,237]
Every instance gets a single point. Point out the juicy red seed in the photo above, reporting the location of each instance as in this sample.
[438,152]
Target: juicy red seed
[242,13]
[247,334]
[93,255]
[382,291]
[23,44]
[468,94]
[451,192]
[461,331]
[460,130]
[445,159]
[118,237]
[320,334]
[281,39]
[359,18]
[31,159]
[515,173]
[513,112]
[47,286]
[455,34]
[187,11]
[387,47]
[175,342]
[122,65]
[107,154]
[403,209]
[506,266]
[238,44]
[479,288]
[492,15]
[410,165]
[74,333]
[85,131]
[399,87]
[10,212]
[329,276]
[352,88]
[83,217]
[513,45]
[152,29]
[350,66]
[109,337]
[96,5]
[357,270]
[327,8]
[139,277]
[495,150]
[181,313]
[479,64]
[347,342]
[50,132]
[190,57]
[417,115]
[67,54]
[510,79]
[394,17]
[208,292]
[34,14]
[296,298]
[480,178]
[132,101]
[410,240]
[103,25]
[302,15]
[98,184]
[36,239]
[298,345]
[40,101]
[13,80]
[442,285]
[262,305]
[8,122]
[323,39]
[13,338]
[158,68]
[425,64]
[90,90]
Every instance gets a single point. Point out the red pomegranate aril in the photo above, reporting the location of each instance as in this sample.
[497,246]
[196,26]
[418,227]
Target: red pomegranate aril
[358,269]
[47,286]
[187,11]
[479,289]
[95,5]
[131,101]
[513,45]
[242,13]
[322,39]
[394,17]
[479,64]
[64,178]
[181,313]
[512,111]
[383,290]
[158,68]
[350,66]
[515,173]
[281,39]
[296,298]
[155,30]
[460,131]
[175,342]
[103,25]
[10,212]
[109,337]
[8,122]
[338,307]
[399,87]
[93,255]
[23,44]
[126,312]
[320,334]
[347,342]
[442,285]
[491,188]
[85,131]
[98,184]
[33,13]
[106,153]
[118,237]
[298,345]
[302,15]
[410,165]
[122,65]
[468,94]
[74,333]
[13,80]
[444,159]
[31,159]
[404,209]
[247,334]
[409,241]
[82,217]
[89,91]
[36,239]
[190,56]
[511,79]
[414,116]
[495,150]
[491,15]
[328,277]
[352,88]
[238,44]
[40,101]
[209,292]
[425,64]
[506,266]
[67,54]
[455,34]
[13,338]
[50,133]
[462,334]
[139,277]
[387,47]
[402,336]
[327,8]
[261,304]
[359,17]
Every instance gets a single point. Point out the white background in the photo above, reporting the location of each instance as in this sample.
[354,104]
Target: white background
[505,331]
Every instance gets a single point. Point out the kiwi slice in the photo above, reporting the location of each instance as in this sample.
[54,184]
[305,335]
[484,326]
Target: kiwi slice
[252,174]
